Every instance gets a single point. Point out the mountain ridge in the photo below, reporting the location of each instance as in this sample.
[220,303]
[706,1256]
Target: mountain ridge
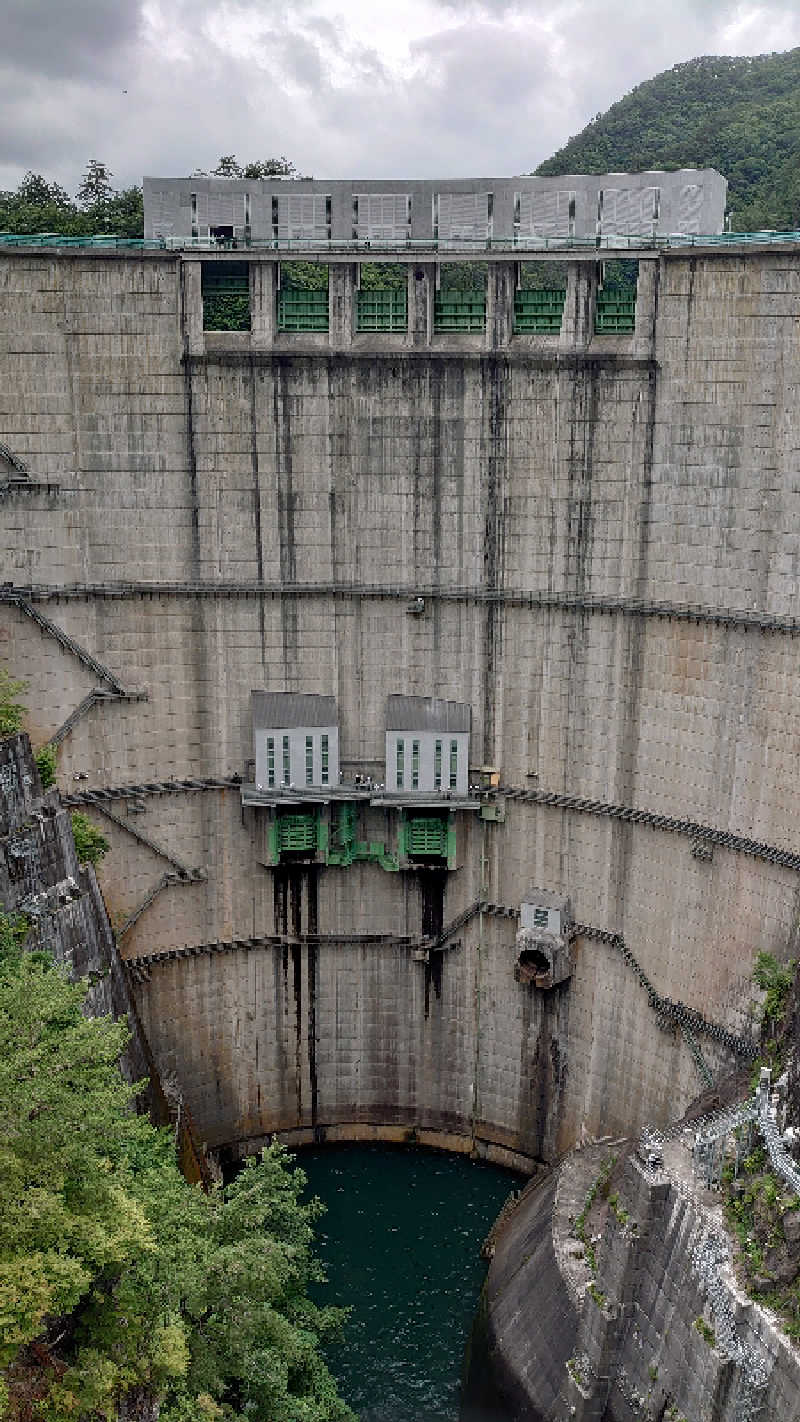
[739,115]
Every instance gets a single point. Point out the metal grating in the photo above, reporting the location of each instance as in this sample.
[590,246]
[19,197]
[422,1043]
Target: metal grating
[549,213]
[302,308]
[427,836]
[539,311]
[382,310]
[382,217]
[459,311]
[615,312]
[297,833]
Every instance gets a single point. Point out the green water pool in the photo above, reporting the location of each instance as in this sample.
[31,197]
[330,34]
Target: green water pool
[401,1244]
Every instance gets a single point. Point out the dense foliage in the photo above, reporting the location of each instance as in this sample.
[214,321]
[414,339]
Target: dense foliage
[90,844]
[40,206]
[46,760]
[117,1279]
[12,709]
[741,116]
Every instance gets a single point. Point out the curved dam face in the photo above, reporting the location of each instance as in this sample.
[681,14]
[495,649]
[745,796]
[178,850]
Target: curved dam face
[586,540]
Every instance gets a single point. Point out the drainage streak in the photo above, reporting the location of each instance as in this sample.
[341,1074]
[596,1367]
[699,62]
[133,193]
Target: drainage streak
[401,1244]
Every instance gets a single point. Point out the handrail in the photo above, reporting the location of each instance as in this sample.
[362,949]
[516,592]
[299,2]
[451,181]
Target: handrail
[606,242]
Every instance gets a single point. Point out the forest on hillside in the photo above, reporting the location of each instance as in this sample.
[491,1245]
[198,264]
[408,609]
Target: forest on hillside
[740,116]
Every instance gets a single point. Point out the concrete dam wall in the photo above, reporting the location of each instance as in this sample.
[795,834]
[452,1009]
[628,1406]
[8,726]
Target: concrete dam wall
[589,539]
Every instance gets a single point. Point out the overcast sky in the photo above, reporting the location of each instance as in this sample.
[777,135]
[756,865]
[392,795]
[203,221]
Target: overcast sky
[368,88]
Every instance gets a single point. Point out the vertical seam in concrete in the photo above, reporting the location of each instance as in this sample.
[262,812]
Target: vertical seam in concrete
[191,452]
[495,371]
[257,504]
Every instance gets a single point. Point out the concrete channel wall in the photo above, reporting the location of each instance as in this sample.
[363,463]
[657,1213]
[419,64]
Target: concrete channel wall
[202,514]
[642,1335]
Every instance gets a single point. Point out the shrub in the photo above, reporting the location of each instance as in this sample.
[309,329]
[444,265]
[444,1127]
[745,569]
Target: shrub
[12,710]
[90,844]
[45,759]
[775,979]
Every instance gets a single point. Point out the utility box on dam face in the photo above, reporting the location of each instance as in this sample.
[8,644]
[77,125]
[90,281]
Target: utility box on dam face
[543,943]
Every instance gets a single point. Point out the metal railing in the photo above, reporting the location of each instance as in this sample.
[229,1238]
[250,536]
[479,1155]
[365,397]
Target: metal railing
[607,242]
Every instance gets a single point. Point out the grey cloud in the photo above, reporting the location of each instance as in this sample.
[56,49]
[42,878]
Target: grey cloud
[77,38]
[491,93]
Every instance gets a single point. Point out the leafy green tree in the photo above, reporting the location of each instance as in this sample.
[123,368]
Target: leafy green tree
[129,1282]
[775,979]
[12,709]
[90,844]
[45,759]
[227,167]
[270,168]
[39,206]
[95,186]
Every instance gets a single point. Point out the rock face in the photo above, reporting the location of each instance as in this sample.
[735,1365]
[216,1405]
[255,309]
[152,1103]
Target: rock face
[652,1332]
[40,876]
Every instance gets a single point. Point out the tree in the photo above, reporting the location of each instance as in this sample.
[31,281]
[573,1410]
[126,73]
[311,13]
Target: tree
[270,168]
[227,167]
[39,206]
[12,709]
[46,760]
[95,187]
[36,191]
[134,1286]
[90,844]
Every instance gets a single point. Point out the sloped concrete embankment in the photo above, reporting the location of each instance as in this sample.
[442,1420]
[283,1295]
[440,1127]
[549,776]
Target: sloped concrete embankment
[658,1331]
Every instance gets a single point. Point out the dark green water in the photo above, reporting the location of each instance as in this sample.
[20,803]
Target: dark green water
[401,1244]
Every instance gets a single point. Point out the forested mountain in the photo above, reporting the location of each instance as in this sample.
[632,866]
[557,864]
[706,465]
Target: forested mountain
[741,116]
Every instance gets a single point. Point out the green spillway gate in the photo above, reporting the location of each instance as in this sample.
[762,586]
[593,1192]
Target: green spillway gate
[426,836]
[539,311]
[615,311]
[382,310]
[303,308]
[459,310]
[296,834]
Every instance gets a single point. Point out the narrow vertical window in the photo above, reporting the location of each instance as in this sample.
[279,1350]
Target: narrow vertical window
[287,764]
[415,765]
[453,765]
[437,765]
[309,760]
[270,760]
[324,760]
[195,228]
[401,748]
